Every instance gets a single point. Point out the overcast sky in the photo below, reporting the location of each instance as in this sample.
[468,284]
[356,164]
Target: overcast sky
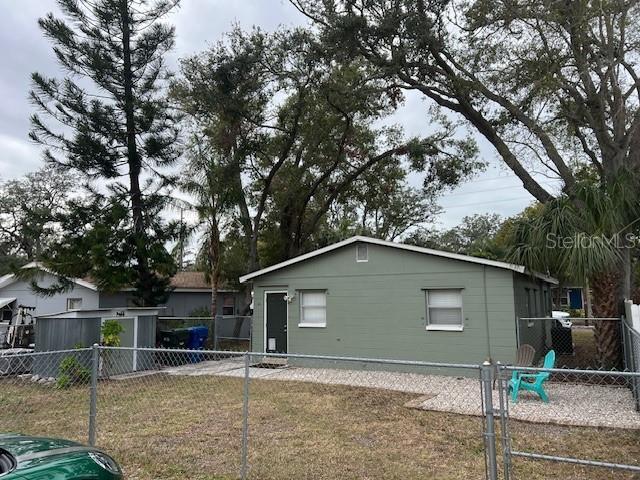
[199,23]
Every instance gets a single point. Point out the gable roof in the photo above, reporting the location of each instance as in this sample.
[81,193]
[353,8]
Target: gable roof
[10,278]
[181,281]
[399,246]
[185,281]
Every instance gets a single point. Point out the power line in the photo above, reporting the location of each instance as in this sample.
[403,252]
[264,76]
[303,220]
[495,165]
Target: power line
[456,194]
[484,203]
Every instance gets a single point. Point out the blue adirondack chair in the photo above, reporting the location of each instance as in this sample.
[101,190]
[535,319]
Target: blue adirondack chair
[534,382]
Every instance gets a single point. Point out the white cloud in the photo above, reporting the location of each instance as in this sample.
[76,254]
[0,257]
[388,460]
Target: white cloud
[17,157]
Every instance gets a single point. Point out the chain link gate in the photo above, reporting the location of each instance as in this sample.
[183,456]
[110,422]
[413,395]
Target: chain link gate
[625,381]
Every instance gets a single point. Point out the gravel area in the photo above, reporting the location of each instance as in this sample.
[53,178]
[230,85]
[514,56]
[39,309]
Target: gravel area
[570,404]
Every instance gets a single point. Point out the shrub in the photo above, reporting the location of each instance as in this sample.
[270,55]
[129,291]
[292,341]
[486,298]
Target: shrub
[576,312]
[111,330]
[71,372]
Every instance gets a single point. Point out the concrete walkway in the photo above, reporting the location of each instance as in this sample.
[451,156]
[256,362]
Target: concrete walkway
[571,404]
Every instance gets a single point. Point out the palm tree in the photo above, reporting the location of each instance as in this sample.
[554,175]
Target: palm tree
[585,235]
[205,179]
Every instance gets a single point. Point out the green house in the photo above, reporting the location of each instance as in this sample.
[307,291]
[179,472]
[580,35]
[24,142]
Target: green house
[365,297]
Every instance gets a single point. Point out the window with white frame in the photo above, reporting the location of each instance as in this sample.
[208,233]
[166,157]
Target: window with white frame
[313,308]
[444,309]
[74,303]
[362,252]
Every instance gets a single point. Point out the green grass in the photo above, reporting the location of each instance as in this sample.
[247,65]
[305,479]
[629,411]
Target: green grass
[190,427]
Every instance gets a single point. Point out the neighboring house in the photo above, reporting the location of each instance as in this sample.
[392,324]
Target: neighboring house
[365,297]
[190,292]
[15,291]
[569,297]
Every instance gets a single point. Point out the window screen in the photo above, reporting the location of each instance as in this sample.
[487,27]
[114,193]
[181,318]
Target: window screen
[74,303]
[362,252]
[313,308]
[444,308]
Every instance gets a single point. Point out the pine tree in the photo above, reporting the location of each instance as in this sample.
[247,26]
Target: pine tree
[109,119]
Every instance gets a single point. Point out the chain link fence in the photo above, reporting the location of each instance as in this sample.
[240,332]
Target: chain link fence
[590,419]
[631,342]
[224,414]
[574,340]
[46,393]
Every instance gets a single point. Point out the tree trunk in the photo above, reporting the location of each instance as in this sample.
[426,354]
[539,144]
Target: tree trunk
[133,160]
[214,263]
[214,253]
[605,288]
[589,310]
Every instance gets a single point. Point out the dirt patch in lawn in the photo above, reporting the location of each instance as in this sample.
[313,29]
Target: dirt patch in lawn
[173,427]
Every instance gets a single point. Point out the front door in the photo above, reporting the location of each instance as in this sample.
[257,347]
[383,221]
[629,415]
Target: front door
[276,306]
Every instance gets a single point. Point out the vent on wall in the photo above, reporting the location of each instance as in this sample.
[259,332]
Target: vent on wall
[362,252]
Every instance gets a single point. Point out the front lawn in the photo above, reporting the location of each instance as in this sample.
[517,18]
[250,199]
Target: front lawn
[175,427]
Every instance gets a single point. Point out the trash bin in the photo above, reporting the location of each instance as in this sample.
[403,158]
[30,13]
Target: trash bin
[562,340]
[197,338]
[172,339]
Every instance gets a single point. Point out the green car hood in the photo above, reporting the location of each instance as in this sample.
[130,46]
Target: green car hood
[50,459]
[19,445]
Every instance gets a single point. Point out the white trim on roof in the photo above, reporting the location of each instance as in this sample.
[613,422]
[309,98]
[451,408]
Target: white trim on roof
[11,277]
[6,279]
[6,301]
[400,246]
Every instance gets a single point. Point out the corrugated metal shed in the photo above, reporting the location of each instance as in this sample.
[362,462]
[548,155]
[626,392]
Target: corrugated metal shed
[82,328]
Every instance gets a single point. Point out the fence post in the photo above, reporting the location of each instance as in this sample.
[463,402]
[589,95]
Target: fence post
[486,372]
[93,393]
[215,332]
[503,392]
[245,418]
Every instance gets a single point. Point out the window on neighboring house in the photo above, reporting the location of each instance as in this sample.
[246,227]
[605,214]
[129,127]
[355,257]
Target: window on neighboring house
[564,299]
[74,303]
[229,305]
[313,308]
[362,252]
[444,309]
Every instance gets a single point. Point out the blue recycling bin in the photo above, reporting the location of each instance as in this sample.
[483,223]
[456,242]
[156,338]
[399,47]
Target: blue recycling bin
[197,338]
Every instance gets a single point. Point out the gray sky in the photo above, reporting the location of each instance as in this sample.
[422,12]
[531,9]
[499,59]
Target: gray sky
[199,23]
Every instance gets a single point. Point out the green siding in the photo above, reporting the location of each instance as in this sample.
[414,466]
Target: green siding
[377,309]
[536,333]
